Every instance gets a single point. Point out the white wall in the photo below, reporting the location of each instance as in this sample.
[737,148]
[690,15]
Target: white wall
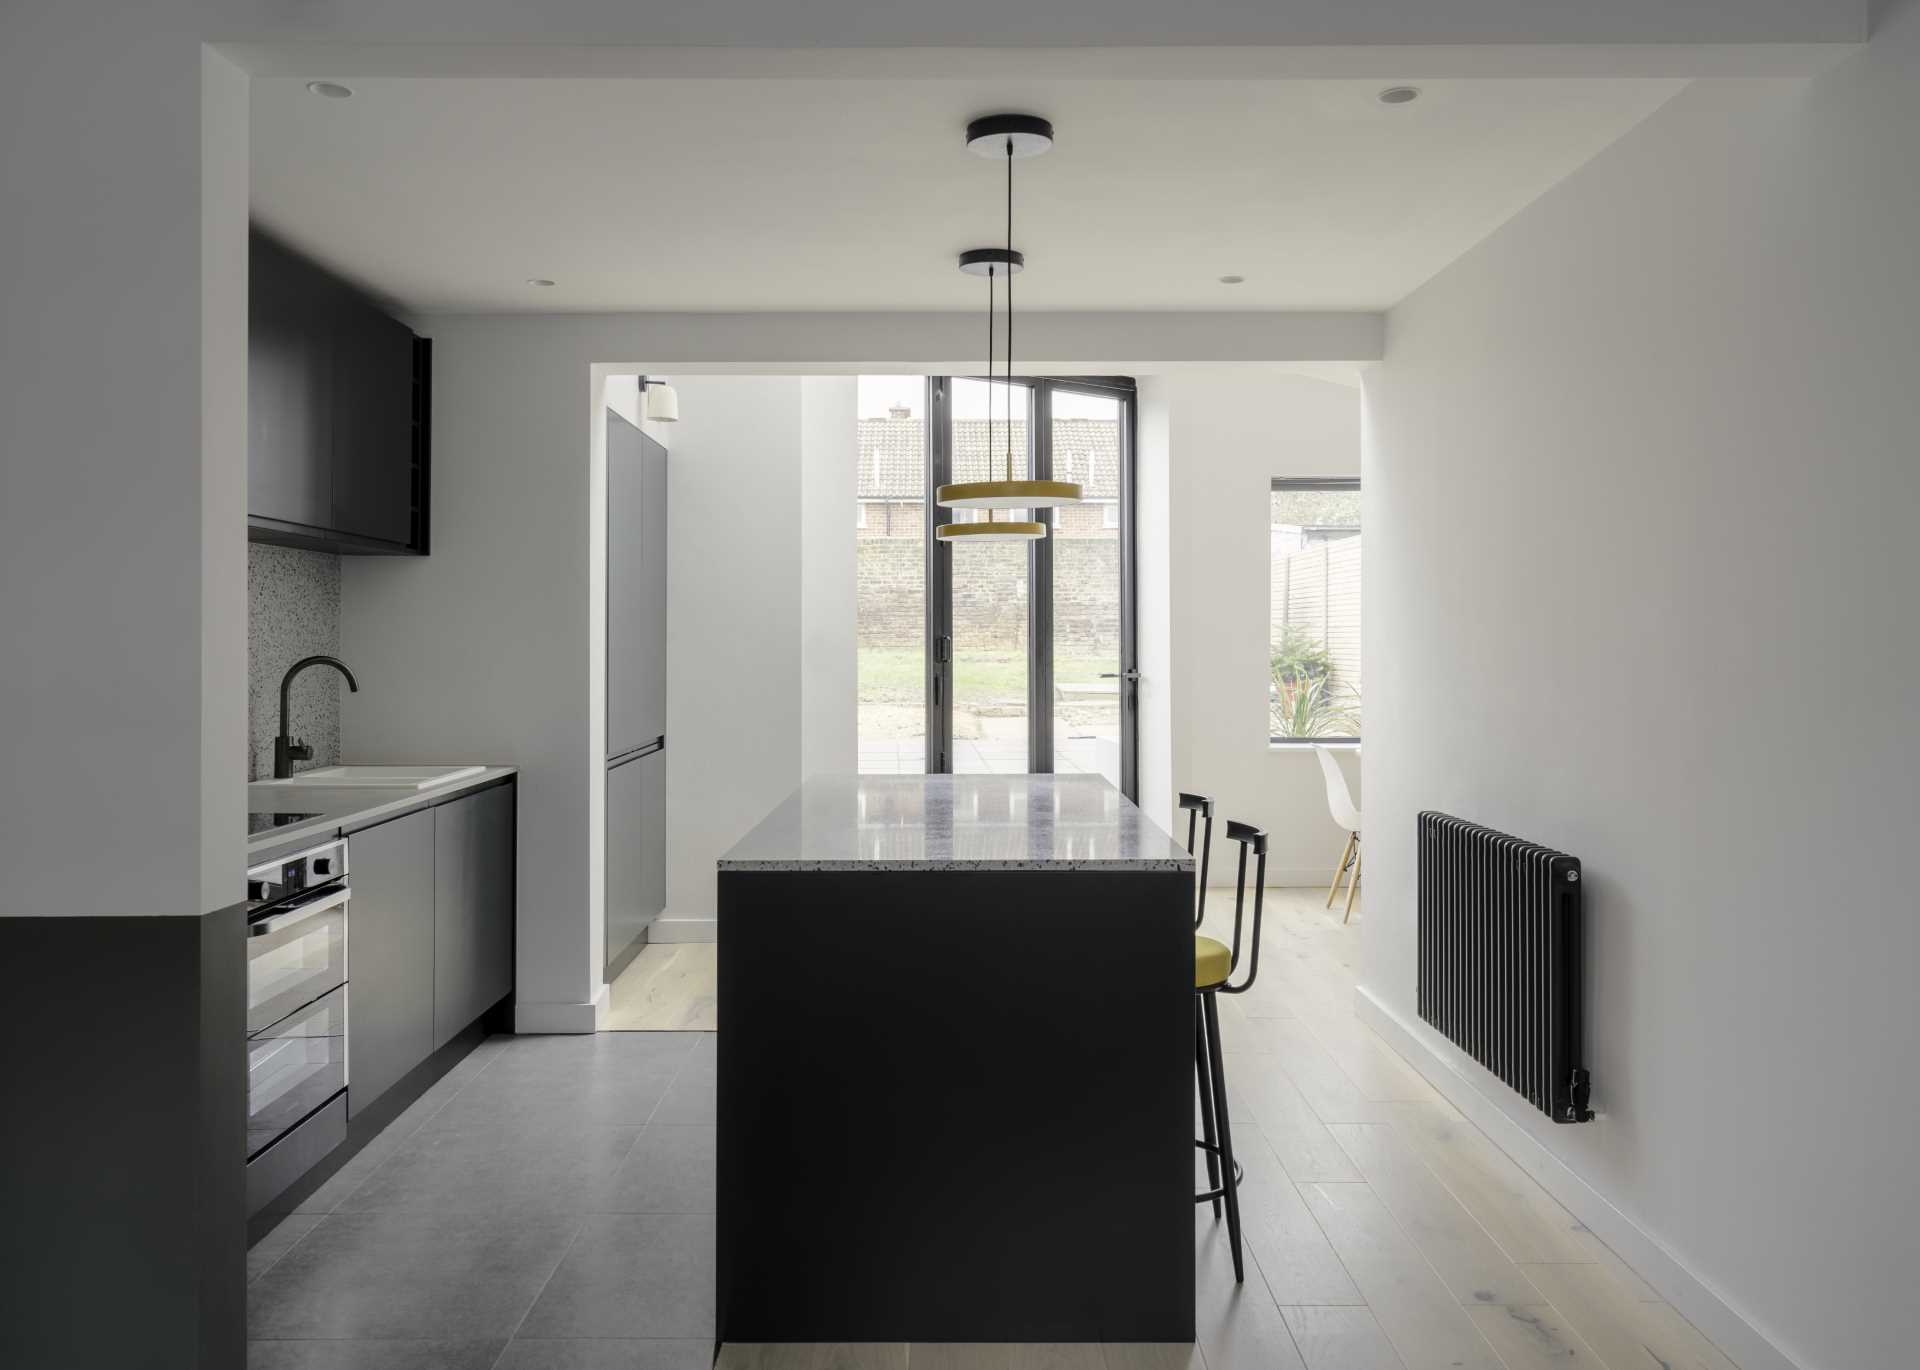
[733,622]
[829,683]
[481,652]
[122,469]
[1153,597]
[1641,493]
[1227,433]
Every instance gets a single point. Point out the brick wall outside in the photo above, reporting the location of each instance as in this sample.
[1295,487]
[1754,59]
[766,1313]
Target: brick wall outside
[989,593]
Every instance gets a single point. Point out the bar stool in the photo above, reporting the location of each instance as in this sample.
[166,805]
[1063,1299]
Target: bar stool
[1213,966]
[1199,806]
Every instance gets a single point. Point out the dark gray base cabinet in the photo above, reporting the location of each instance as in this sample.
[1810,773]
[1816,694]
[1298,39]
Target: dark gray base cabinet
[472,908]
[390,954]
[429,934]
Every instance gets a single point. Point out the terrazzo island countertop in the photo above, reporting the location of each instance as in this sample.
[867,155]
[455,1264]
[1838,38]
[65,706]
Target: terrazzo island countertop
[957,823]
[345,809]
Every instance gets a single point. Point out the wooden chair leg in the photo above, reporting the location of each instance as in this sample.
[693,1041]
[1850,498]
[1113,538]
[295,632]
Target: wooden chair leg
[1353,883]
[1346,854]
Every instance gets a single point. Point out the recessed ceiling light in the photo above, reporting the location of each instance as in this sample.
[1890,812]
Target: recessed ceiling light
[538,280]
[1232,280]
[1399,95]
[329,90]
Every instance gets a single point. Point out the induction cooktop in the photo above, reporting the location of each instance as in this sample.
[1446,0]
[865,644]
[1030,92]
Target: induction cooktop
[258,823]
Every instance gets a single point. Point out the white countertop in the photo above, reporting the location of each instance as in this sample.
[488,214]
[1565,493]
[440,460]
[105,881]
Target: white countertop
[956,822]
[345,808]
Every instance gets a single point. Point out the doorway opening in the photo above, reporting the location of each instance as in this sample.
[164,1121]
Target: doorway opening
[1001,658]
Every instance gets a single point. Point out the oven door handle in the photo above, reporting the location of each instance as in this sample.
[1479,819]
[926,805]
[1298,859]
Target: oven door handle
[279,922]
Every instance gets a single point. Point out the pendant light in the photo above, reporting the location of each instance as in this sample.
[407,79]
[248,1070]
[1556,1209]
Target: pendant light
[1008,136]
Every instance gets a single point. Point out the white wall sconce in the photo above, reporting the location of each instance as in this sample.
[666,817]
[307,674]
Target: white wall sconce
[662,405]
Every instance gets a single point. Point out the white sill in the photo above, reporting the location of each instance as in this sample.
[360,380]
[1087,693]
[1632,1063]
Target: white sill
[1306,747]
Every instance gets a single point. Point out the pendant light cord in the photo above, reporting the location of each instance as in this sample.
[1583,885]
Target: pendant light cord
[990,274]
[1009,309]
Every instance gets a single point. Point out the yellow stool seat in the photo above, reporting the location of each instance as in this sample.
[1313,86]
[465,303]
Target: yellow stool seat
[1212,962]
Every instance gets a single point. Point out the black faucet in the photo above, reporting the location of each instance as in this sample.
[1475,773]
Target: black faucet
[286,751]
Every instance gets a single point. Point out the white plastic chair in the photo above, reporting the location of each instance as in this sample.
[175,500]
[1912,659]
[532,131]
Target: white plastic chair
[1347,815]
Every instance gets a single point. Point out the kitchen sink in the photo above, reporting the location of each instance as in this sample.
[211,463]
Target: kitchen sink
[384,777]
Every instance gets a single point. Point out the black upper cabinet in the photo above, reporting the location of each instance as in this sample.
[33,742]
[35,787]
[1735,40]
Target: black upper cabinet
[337,452]
[289,389]
[373,424]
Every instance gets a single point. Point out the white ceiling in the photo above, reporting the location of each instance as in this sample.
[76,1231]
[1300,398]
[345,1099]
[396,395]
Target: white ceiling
[786,194]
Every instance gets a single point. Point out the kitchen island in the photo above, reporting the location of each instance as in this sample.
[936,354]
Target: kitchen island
[956,1066]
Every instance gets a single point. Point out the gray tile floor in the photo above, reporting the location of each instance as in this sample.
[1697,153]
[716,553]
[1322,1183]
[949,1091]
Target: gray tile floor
[548,1204]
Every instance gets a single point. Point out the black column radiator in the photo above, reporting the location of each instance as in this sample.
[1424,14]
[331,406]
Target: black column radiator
[1499,951]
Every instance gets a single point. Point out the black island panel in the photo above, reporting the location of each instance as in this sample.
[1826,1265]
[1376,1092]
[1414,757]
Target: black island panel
[956,1105]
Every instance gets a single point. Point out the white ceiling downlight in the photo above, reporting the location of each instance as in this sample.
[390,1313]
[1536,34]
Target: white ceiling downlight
[329,90]
[1399,95]
[540,281]
[1233,280]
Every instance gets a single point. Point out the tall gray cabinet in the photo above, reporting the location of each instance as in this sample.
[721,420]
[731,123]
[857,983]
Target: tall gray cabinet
[636,801]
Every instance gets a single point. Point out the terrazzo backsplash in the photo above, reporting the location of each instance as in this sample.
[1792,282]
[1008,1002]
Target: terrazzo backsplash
[293,610]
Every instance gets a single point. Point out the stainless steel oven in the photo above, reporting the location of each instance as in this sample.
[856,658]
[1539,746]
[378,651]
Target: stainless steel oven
[297,1015]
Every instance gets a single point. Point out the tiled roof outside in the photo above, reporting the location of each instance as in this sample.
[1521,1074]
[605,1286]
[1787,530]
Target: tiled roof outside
[893,454]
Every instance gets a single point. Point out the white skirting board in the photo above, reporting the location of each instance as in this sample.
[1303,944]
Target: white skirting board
[536,1019]
[669,928]
[1468,1087]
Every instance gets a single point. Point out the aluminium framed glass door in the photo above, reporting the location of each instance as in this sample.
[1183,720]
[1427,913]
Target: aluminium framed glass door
[1030,656]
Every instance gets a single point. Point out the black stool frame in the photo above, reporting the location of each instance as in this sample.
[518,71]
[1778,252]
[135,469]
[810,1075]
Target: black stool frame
[1199,806]
[1223,1172]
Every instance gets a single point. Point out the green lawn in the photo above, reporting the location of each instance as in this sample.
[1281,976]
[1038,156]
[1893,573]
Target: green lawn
[897,674]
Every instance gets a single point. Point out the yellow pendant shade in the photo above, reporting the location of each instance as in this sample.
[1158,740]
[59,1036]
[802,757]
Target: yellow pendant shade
[990,532]
[1008,494]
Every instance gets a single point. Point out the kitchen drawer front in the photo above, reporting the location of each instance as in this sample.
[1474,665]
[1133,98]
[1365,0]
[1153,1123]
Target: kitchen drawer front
[294,1067]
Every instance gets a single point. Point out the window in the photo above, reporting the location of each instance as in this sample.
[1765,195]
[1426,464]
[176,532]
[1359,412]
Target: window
[890,570]
[1314,611]
[1110,514]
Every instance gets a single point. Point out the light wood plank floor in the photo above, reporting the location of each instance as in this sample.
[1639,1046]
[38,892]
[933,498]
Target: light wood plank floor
[1383,1230]
[668,987]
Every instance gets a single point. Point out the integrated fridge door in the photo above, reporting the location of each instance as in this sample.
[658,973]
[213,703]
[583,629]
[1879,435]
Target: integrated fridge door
[636,851]
[636,588]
